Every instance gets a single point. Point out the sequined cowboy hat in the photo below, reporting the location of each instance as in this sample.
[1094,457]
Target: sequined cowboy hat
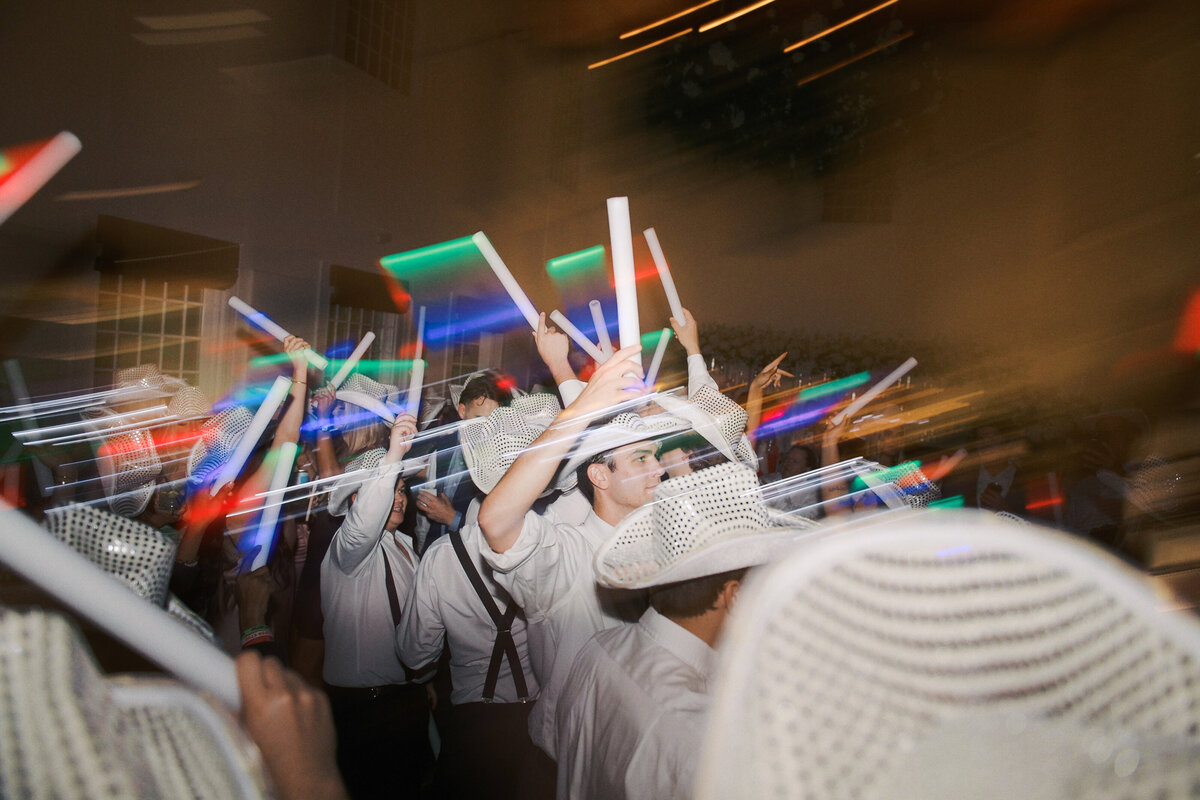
[362,468]
[950,653]
[70,731]
[370,395]
[491,444]
[704,523]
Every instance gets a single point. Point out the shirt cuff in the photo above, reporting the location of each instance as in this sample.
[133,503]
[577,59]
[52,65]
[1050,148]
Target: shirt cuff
[698,374]
[570,390]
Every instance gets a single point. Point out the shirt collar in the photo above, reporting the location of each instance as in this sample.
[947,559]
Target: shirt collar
[595,529]
[681,643]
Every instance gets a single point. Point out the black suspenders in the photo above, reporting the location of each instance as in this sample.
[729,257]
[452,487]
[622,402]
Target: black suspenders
[504,646]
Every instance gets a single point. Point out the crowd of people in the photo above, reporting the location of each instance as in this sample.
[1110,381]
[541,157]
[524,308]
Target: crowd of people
[517,594]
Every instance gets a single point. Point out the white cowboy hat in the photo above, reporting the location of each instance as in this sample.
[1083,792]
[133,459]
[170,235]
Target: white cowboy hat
[144,382]
[219,437]
[623,429]
[718,419]
[901,656]
[136,554]
[704,523]
[491,444]
[189,403]
[128,466]
[369,394]
[362,468]
[70,731]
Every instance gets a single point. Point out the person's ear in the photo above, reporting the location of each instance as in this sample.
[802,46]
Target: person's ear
[599,475]
[728,595]
[353,497]
[462,410]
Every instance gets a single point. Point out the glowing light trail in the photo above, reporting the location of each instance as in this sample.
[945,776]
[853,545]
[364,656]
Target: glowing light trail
[708,26]
[644,47]
[858,57]
[839,26]
[665,20]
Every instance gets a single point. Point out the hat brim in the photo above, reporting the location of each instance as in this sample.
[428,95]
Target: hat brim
[701,421]
[367,403]
[339,495]
[746,547]
[613,436]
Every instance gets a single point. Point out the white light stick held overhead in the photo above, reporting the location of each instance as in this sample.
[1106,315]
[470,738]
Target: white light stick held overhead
[419,353]
[94,594]
[656,360]
[261,320]
[601,328]
[874,391]
[416,380]
[624,276]
[264,535]
[258,423]
[577,337]
[664,274]
[33,175]
[510,283]
[350,363]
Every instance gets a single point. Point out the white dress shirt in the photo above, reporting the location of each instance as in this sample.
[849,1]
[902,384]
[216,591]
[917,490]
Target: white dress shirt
[548,571]
[359,633]
[445,605]
[632,714]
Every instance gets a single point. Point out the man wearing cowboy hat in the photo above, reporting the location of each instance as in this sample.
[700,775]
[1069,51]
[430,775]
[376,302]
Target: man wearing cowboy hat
[545,567]
[631,715]
[380,713]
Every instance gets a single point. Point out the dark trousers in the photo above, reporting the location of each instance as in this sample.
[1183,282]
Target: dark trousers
[382,740]
[483,751]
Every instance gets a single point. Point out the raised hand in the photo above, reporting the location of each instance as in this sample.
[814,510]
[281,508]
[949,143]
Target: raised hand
[685,329]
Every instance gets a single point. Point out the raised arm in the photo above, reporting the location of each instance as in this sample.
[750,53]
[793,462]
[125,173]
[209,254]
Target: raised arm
[769,376]
[293,416]
[553,346]
[689,336]
[503,511]
[369,512]
[327,463]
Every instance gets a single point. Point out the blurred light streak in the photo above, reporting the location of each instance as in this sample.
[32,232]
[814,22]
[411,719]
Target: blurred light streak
[28,167]
[478,322]
[708,26]
[568,266]
[133,191]
[156,412]
[839,26]
[955,501]
[644,47]
[638,277]
[1187,339]
[833,387]
[231,33]
[216,19]
[665,20]
[1053,501]
[788,422]
[858,57]
[431,258]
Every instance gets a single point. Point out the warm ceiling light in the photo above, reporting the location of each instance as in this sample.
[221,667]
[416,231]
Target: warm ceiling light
[850,61]
[628,53]
[200,35]
[134,191]
[665,20]
[839,26]
[752,7]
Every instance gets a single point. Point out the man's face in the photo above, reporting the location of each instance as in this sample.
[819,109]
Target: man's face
[479,407]
[634,476]
[399,504]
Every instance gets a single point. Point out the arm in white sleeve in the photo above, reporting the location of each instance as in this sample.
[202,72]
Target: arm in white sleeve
[698,374]
[363,525]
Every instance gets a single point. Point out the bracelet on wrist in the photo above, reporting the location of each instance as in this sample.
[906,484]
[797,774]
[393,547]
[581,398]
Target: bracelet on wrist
[257,635]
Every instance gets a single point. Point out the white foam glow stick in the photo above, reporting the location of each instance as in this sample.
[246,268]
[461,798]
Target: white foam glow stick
[33,175]
[624,277]
[264,535]
[420,351]
[601,328]
[350,363]
[95,595]
[874,391]
[656,360]
[510,283]
[261,320]
[664,274]
[577,336]
[258,423]
[416,380]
